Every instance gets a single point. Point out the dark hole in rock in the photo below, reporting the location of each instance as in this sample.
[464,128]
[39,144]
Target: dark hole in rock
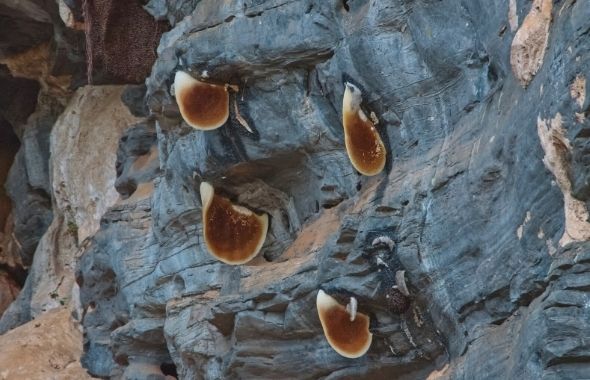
[179,285]
[16,273]
[116,324]
[332,202]
[224,322]
[122,359]
[267,256]
[286,221]
[345,5]
[492,74]
[9,145]
[583,133]
[169,369]
[126,188]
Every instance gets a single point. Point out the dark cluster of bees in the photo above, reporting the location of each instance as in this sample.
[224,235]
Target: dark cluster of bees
[234,234]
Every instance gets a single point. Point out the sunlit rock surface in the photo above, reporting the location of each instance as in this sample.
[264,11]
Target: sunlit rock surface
[48,347]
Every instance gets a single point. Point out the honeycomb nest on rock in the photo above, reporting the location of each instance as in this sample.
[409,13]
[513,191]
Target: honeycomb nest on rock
[121,41]
[397,302]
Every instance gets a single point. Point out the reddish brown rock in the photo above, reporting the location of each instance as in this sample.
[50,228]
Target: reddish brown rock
[9,289]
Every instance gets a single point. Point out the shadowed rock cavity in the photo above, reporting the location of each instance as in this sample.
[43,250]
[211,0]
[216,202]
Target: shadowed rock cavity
[11,270]
[22,25]
[9,145]
[39,59]
[18,100]
[137,158]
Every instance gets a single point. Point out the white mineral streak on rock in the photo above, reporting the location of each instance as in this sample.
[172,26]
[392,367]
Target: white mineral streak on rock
[512,15]
[557,148]
[578,90]
[530,42]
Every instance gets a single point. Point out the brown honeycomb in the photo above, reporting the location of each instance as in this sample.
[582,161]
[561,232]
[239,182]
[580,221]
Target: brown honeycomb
[233,234]
[363,144]
[202,105]
[350,339]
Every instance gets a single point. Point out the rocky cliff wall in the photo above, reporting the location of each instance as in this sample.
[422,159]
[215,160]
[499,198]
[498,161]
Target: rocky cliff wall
[477,217]
[482,107]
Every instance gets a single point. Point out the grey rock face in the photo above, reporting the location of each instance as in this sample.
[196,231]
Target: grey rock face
[171,10]
[134,98]
[30,193]
[475,200]
[136,158]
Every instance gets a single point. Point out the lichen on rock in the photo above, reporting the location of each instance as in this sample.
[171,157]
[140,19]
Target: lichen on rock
[530,42]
